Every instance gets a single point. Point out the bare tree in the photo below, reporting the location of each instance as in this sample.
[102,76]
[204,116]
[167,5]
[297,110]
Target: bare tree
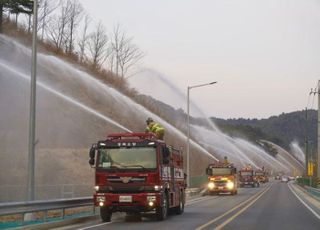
[129,56]
[124,53]
[97,43]
[46,8]
[57,29]
[84,38]
[74,14]
[117,41]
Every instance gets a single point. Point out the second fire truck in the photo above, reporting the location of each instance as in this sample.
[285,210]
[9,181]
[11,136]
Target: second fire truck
[222,178]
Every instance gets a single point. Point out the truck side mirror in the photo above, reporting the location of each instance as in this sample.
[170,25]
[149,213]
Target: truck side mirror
[92,151]
[91,161]
[208,171]
[165,156]
[92,154]
[166,152]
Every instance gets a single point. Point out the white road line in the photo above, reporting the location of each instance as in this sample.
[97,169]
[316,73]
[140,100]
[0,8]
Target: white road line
[197,200]
[97,225]
[304,203]
[187,204]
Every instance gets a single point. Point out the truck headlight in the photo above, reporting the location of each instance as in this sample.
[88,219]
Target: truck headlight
[230,185]
[211,185]
[101,199]
[157,187]
[96,188]
[151,198]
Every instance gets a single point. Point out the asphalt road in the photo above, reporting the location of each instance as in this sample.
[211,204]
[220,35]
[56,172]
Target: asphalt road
[272,206]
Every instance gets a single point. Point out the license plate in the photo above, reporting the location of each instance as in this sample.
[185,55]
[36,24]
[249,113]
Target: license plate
[220,187]
[125,198]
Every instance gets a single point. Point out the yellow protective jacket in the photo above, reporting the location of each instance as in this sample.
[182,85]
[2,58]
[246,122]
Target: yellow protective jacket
[156,129]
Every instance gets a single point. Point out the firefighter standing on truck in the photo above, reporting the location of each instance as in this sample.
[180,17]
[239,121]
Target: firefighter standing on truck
[155,128]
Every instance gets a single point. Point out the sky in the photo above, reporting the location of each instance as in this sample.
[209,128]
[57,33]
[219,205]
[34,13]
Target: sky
[264,54]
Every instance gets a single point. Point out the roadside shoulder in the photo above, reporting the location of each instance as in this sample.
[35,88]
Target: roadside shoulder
[308,200]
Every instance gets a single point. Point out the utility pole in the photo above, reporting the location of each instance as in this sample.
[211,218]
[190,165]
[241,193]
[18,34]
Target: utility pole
[306,144]
[188,127]
[318,155]
[32,118]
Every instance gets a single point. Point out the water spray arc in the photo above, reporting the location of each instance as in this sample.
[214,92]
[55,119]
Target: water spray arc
[69,99]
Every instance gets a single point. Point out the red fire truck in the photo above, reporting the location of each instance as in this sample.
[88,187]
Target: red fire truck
[247,177]
[136,173]
[222,178]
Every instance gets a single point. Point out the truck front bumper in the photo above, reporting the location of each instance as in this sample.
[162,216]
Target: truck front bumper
[141,202]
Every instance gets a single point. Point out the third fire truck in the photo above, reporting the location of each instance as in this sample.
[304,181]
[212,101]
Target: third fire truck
[247,177]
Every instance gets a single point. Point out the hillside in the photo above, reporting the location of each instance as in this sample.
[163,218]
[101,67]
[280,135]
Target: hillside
[282,129]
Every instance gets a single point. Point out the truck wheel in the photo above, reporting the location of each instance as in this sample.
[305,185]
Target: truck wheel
[105,214]
[180,208]
[162,211]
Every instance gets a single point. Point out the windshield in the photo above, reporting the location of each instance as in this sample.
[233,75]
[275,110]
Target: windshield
[221,171]
[246,173]
[127,158]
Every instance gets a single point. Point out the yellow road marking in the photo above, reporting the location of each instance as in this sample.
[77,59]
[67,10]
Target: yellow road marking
[231,210]
[241,211]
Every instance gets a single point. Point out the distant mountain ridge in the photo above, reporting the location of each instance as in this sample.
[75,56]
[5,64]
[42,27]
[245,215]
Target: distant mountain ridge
[281,130]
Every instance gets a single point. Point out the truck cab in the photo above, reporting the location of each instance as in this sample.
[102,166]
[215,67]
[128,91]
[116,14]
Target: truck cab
[222,178]
[261,176]
[247,178]
[136,173]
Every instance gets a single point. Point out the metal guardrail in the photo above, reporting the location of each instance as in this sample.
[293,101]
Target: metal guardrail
[313,191]
[16,214]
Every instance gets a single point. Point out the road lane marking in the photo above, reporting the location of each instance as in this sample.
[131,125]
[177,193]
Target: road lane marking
[304,203]
[231,210]
[193,201]
[199,200]
[97,225]
[241,211]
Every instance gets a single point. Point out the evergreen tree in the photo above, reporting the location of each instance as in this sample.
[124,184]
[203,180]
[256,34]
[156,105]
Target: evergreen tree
[15,7]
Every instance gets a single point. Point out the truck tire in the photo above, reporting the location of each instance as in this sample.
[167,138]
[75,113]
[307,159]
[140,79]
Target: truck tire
[105,214]
[235,192]
[162,211]
[180,209]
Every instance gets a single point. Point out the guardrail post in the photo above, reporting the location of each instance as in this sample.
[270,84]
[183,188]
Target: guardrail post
[63,213]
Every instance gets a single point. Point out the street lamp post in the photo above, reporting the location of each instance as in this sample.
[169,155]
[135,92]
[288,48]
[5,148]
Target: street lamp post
[188,127]
[32,119]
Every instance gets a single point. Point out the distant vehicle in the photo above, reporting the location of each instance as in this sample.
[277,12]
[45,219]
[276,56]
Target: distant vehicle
[135,173]
[291,178]
[261,176]
[247,178]
[222,178]
[284,179]
[277,177]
